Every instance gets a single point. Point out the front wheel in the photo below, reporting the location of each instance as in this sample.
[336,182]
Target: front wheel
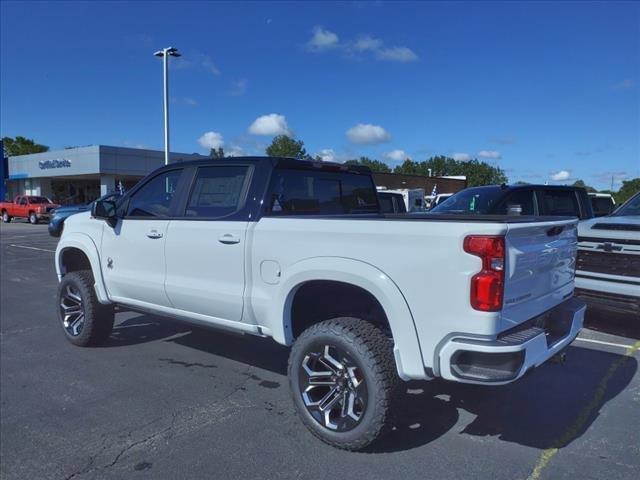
[343,378]
[85,321]
[5,217]
[33,218]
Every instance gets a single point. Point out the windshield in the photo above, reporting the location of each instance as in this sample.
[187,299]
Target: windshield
[632,207]
[39,200]
[472,200]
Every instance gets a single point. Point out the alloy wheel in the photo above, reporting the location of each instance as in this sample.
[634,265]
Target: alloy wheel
[333,388]
[72,311]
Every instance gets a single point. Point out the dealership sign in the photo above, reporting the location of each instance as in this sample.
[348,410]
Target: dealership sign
[49,164]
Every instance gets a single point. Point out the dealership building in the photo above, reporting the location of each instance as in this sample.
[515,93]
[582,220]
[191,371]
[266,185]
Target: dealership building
[82,174]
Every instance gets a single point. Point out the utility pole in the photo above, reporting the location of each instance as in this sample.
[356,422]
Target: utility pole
[165,53]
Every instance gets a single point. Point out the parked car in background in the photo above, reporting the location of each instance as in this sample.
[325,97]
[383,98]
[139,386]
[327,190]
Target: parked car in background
[391,202]
[298,251]
[608,266]
[32,207]
[59,215]
[602,204]
[554,200]
[413,198]
[438,199]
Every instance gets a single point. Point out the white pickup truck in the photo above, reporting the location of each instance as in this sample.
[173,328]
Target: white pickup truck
[298,251]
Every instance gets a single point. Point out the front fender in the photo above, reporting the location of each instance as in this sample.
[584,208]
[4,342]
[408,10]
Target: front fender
[85,244]
[361,274]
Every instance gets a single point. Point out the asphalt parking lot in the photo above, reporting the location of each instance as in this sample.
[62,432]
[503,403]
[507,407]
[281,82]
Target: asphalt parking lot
[163,400]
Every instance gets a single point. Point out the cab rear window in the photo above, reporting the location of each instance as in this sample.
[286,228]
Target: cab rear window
[307,192]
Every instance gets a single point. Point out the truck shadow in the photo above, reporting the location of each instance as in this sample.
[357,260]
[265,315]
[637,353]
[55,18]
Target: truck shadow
[548,408]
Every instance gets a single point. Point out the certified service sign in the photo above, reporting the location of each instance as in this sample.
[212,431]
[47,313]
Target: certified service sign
[49,164]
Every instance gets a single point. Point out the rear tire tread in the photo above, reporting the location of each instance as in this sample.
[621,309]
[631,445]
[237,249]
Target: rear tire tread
[375,349]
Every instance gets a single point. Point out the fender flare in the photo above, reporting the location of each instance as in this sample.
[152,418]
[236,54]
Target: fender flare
[407,351]
[85,244]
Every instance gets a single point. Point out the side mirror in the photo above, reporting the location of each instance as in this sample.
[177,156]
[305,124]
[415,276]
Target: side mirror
[105,209]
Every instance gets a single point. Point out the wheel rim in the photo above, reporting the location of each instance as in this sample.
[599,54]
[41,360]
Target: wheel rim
[5,216]
[32,218]
[72,310]
[333,388]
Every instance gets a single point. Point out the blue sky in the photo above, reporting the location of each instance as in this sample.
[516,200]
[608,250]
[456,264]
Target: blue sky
[544,90]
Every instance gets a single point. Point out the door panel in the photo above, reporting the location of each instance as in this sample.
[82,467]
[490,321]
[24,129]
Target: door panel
[133,260]
[133,253]
[205,267]
[205,248]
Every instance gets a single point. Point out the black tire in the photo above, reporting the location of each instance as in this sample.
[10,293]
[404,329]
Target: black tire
[97,322]
[33,218]
[370,350]
[5,217]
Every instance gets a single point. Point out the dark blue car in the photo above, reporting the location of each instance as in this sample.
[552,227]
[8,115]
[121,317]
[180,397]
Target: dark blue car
[56,224]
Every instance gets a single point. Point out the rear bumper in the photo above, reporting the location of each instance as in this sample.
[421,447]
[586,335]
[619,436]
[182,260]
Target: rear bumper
[509,356]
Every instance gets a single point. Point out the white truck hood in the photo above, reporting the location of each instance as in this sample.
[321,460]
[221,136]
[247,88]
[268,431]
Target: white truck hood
[612,228]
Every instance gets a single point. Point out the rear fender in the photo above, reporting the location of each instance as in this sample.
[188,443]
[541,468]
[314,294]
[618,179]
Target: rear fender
[406,346]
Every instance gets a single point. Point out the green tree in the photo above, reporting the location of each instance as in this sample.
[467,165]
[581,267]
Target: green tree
[216,153]
[22,146]
[580,183]
[375,166]
[627,190]
[477,172]
[285,146]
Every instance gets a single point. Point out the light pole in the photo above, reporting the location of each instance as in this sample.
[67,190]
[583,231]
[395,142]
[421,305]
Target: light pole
[165,53]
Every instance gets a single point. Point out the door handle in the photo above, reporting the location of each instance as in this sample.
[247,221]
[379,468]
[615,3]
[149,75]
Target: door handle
[229,239]
[154,234]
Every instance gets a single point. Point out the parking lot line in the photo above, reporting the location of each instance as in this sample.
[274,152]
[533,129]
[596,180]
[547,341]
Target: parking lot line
[600,342]
[595,403]
[32,248]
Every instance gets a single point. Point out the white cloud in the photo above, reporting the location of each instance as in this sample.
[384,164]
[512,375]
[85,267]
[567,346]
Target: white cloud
[560,175]
[238,87]
[207,63]
[490,154]
[272,124]
[367,43]
[367,134]
[234,151]
[327,155]
[461,157]
[397,155]
[211,140]
[397,54]
[322,39]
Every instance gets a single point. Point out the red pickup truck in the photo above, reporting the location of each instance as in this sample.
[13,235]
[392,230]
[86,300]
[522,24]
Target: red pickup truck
[31,207]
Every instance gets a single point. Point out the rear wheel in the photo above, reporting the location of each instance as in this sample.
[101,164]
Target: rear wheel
[5,217]
[342,376]
[33,218]
[85,321]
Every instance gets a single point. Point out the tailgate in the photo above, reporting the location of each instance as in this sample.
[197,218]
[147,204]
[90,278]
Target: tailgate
[540,268]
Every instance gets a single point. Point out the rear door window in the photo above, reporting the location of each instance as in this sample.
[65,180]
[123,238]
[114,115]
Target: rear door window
[560,203]
[217,191]
[306,192]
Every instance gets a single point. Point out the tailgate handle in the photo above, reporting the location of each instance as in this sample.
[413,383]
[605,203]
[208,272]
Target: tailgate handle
[553,231]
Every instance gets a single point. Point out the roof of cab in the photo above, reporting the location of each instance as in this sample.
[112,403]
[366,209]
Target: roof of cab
[285,162]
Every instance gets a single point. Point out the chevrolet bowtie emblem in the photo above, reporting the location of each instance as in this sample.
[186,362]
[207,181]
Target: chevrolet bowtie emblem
[609,247]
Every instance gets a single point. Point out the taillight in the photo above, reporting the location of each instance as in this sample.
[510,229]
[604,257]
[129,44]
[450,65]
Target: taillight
[487,286]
